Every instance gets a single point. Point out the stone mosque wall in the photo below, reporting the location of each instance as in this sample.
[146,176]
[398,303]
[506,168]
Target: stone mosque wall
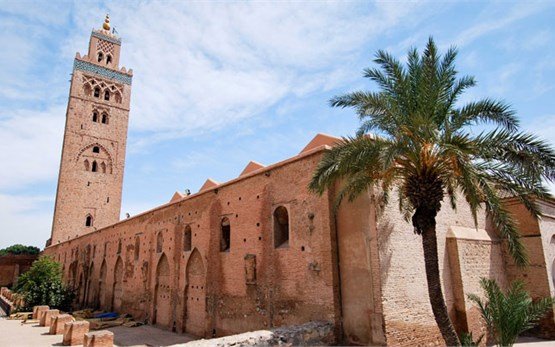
[168,265]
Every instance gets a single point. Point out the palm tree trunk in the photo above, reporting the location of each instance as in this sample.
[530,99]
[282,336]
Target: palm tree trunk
[429,243]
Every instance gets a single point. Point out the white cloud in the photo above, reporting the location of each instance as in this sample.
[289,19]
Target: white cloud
[32,143]
[24,219]
[201,66]
[504,79]
[490,21]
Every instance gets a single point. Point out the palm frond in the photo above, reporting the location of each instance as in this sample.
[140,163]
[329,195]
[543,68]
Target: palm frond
[525,153]
[509,314]
[485,111]
[348,158]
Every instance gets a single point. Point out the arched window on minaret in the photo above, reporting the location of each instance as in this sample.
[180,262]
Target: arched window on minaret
[94,166]
[87,165]
[118,97]
[104,118]
[103,167]
[100,57]
[97,92]
[96,149]
[89,221]
[107,95]
[95,116]
[108,59]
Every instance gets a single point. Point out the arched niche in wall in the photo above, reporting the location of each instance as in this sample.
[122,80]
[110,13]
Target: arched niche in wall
[162,294]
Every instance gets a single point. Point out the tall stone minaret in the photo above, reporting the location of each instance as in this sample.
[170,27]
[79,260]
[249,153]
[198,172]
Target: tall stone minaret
[93,154]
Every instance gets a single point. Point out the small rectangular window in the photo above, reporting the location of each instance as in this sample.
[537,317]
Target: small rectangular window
[187,239]
[225,241]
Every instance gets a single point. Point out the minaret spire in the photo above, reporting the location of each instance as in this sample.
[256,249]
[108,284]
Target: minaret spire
[106,24]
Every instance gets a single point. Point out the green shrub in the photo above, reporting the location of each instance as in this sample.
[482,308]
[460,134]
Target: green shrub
[509,314]
[468,341]
[42,285]
[20,249]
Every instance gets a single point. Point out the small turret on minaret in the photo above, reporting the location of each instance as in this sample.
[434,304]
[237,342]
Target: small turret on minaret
[104,46]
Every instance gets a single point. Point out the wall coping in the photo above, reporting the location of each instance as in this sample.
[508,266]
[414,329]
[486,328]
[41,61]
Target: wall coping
[464,233]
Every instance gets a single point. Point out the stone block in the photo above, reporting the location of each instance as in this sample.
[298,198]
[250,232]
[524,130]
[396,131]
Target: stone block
[38,309]
[100,338]
[74,332]
[46,317]
[58,323]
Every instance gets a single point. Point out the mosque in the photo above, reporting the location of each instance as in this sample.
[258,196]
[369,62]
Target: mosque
[260,250]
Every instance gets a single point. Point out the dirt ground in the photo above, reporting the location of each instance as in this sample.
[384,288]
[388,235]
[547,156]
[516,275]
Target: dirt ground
[14,333]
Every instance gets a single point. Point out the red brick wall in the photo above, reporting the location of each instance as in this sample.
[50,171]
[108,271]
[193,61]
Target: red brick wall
[293,285]
[12,266]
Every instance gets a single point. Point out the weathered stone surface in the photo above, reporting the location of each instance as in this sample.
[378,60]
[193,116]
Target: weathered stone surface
[57,325]
[309,334]
[100,338]
[74,332]
[47,316]
[38,309]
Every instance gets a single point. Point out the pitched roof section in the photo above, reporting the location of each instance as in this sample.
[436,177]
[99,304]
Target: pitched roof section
[321,140]
[251,166]
[177,196]
[210,183]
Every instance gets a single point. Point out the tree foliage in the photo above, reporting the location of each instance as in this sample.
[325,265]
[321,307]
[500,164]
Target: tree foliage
[42,285]
[509,314]
[423,133]
[20,249]
[425,147]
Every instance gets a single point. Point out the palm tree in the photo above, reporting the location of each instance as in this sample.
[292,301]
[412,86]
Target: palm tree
[423,150]
[509,314]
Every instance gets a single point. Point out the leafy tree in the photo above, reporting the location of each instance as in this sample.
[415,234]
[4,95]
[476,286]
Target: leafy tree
[20,249]
[508,315]
[424,150]
[42,285]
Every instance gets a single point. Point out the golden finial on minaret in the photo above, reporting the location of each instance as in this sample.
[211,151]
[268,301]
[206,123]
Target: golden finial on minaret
[106,25]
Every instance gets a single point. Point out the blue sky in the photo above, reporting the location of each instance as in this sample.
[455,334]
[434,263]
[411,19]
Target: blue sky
[217,84]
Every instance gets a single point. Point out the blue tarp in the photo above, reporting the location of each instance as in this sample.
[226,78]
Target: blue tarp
[106,315]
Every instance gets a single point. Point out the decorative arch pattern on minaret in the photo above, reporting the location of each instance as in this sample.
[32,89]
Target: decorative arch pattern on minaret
[88,155]
[91,83]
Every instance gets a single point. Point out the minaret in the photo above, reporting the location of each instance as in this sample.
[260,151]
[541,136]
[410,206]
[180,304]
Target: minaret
[93,153]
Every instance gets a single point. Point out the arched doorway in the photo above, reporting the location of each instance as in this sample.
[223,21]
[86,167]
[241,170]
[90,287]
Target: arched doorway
[118,286]
[162,294]
[102,286]
[195,295]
